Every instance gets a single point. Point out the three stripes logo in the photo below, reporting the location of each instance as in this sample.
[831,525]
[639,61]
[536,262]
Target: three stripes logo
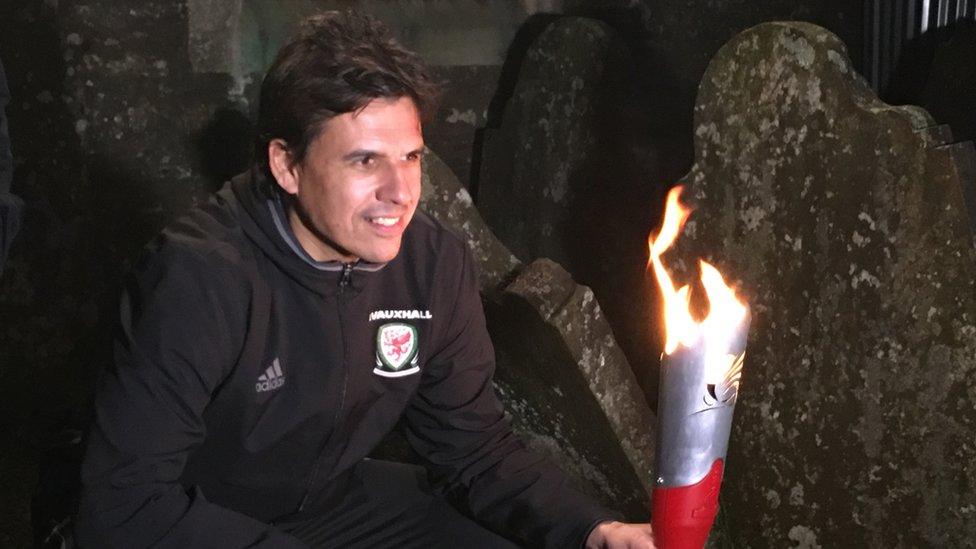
[271,379]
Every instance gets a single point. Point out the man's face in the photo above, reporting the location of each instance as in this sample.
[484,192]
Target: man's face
[359,184]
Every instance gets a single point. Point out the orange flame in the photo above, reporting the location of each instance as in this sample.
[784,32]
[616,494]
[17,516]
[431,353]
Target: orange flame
[725,311]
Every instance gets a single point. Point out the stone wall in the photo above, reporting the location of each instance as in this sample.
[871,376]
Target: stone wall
[591,123]
[845,222]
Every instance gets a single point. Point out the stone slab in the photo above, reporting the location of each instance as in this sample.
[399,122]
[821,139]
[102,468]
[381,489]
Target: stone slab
[568,388]
[443,197]
[846,226]
[562,174]
[565,383]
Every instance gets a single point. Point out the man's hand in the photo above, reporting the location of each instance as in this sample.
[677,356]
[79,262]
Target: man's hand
[618,535]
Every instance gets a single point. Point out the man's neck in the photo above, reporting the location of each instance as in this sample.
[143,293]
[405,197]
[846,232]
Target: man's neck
[310,241]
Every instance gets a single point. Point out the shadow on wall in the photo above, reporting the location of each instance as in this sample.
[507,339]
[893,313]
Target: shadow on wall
[525,37]
[56,422]
[662,101]
[43,300]
[223,147]
[566,168]
[665,126]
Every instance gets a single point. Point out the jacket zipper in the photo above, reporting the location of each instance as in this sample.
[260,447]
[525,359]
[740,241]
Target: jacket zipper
[346,277]
[344,281]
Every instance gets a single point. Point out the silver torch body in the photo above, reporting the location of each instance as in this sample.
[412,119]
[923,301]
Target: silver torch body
[697,394]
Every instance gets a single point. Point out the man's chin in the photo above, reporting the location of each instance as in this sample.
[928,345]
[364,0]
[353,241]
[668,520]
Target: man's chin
[381,255]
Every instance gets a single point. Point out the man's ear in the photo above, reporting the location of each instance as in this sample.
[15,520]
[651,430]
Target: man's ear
[282,168]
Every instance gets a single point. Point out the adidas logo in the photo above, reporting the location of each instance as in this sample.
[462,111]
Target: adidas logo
[271,379]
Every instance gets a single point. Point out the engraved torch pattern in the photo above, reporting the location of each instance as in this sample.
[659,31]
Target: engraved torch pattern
[694,416]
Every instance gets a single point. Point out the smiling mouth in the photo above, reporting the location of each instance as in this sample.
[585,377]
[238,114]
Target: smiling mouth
[384,221]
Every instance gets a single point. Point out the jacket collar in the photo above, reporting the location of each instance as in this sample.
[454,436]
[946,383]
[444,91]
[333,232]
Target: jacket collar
[264,221]
[277,211]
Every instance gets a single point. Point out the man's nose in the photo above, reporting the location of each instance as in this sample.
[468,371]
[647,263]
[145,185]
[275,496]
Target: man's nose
[397,186]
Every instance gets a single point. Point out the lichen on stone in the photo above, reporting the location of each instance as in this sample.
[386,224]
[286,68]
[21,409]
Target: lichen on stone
[855,251]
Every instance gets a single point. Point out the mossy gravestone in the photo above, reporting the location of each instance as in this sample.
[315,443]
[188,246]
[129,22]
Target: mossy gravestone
[566,385]
[845,221]
[564,176]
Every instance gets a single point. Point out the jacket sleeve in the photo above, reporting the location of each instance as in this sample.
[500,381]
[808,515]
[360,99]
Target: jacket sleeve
[457,424]
[176,339]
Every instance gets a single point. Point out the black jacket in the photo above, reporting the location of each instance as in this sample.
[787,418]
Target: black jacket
[249,379]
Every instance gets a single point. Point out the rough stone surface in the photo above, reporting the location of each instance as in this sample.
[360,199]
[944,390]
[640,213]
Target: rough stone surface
[527,185]
[466,92]
[214,36]
[569,389]
[102,127]
[564,381]
[844,220]
[443,197]
[561,176]
[461,32]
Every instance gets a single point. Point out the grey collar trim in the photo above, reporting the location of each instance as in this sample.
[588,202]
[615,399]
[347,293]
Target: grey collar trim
[284,229]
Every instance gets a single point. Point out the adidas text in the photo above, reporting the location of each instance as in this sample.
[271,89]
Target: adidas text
[264,386]
[271,379]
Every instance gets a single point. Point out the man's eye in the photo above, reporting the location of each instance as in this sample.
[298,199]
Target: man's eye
[414,157]
[366,161]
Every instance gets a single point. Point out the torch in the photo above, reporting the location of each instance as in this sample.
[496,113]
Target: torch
[700,371]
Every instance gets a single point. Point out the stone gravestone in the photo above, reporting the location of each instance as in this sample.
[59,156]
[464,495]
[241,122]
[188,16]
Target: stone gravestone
[561,177]
[444,198]
[569,388]
[845,221]
[564,382]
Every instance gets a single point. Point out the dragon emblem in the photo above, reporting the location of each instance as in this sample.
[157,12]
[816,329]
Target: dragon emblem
[396,348]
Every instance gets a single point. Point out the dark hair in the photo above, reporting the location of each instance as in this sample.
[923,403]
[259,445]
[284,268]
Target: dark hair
[339,62]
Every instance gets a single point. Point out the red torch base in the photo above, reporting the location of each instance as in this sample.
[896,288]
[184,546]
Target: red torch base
[682,516]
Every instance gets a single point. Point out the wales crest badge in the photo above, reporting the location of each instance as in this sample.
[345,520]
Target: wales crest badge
[396,350]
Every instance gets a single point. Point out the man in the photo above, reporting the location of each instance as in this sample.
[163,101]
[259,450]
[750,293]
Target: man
[270,339]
